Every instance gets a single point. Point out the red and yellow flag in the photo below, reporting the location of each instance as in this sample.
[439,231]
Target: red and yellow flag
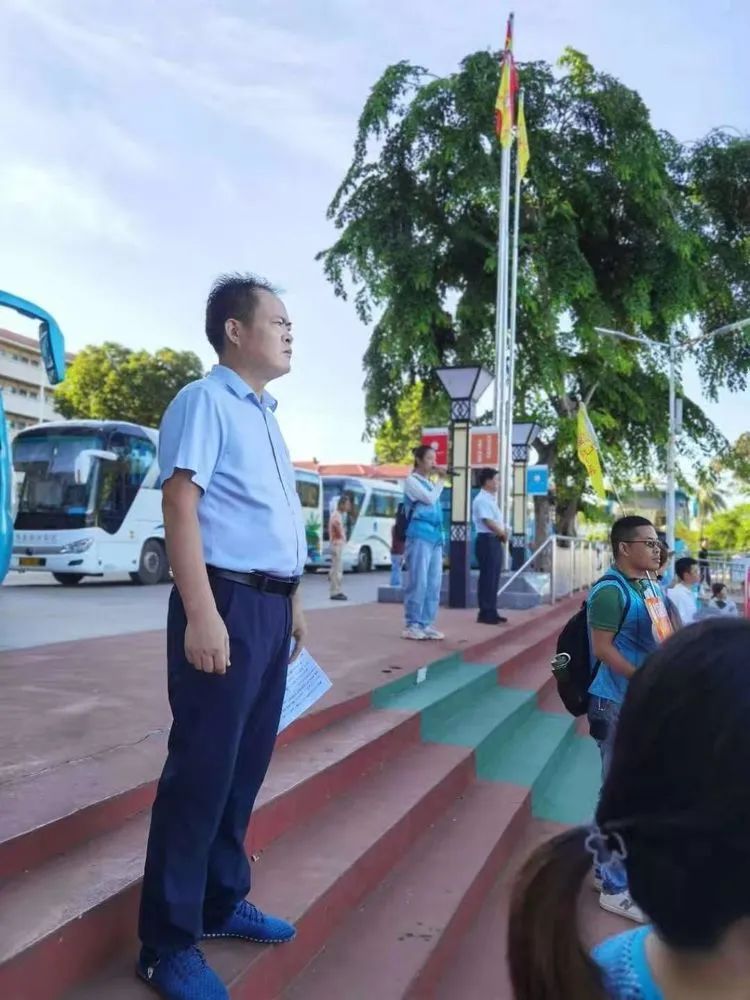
[524,153]
[506,95]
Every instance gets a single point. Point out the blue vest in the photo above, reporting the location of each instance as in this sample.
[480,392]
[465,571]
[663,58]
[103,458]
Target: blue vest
[635,640]
[425,521]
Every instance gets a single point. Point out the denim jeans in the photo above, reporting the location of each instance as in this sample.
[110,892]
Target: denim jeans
[601,710]
[397,562]
[423,582]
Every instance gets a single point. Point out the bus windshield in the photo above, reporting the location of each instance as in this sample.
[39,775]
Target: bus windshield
[76,477]
[49,494]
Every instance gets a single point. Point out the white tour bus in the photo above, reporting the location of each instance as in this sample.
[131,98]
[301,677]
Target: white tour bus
[88,502]
[374,506]
[310,493]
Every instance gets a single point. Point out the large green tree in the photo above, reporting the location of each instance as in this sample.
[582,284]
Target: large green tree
[620,227]
[112,382]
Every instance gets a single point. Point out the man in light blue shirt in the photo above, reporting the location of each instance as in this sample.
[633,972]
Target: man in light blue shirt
[236,543]
[491,536]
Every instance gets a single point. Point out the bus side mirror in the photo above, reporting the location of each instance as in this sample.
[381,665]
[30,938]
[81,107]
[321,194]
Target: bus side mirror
[52,347]
[84,461]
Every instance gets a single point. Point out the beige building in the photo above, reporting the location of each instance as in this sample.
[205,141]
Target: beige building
[27,395]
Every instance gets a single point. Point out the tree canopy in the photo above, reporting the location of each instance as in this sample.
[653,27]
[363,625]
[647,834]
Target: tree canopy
[112,382]
[621,226]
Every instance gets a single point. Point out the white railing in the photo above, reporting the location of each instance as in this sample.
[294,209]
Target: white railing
[571,565]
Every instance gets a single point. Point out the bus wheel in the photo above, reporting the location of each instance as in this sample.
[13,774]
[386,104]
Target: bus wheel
[153,567]
[364,560]
[68,579]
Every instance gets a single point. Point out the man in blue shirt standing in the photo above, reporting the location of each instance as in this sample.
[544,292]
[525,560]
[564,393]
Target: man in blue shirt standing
[236,543]
[491,535]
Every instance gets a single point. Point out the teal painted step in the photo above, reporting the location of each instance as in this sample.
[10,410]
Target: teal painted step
[450,685]
[485,722]
[570,786]
[529,752]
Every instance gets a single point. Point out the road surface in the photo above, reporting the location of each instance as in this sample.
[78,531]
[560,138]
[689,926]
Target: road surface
[36,610]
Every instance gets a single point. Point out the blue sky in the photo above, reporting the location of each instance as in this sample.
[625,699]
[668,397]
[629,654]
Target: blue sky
[149,146]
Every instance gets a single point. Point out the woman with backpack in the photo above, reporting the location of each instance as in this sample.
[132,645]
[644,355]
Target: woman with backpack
[675,810]
[424,546]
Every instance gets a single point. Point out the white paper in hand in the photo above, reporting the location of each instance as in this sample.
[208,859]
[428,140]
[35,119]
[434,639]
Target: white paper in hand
[306,683]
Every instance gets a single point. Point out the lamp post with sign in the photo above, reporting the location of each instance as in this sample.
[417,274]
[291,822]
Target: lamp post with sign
[465,384]
[675,403]
[522,437]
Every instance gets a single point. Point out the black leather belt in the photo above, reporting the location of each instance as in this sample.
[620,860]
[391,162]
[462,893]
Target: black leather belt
[284,586]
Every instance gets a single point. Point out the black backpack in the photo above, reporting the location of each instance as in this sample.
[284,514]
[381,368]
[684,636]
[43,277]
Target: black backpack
[403,516]
[572,665]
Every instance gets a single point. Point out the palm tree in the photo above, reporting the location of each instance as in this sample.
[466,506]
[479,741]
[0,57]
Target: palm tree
[710,499]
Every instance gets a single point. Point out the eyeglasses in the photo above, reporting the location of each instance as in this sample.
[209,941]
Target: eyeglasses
[650,543]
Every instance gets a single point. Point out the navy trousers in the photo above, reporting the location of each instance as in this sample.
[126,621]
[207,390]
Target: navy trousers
[223,733]
[490,559]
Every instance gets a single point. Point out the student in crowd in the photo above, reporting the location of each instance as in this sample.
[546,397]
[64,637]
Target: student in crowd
[337,538]
[720,604]
[622,636]
[491,538]
[682,595]
[703,562]
[398,548]
[676,807]
[424,546]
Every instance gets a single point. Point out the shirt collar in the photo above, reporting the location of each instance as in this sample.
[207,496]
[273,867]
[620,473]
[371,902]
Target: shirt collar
[236,384]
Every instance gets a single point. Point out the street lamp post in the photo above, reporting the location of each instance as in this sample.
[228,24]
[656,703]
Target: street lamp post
[465,384]
[672,346]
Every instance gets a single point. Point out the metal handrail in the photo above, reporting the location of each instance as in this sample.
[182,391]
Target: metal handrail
[548,541]
[551,541]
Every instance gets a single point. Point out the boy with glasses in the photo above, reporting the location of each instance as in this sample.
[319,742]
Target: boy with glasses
[620,612]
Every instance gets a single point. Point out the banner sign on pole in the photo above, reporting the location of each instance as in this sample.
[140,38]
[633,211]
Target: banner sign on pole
[437,439]
[537,480]
[484,451]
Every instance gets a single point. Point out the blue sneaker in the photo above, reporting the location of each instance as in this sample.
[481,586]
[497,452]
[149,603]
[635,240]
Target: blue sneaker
[249,924]
[181,975]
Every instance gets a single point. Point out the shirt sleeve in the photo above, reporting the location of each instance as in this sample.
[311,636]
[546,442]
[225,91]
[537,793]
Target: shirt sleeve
[485,509]
[419,492]
[606,607]
[190,437]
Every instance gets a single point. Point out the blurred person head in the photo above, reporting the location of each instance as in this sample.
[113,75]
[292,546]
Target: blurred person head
[678,800]
[425,459]
[687,571]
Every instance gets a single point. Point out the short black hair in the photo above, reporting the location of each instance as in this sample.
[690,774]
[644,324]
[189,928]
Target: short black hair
[485,475]
[232,296]
[420,452]
[716,588]
[622,530]
[684,565]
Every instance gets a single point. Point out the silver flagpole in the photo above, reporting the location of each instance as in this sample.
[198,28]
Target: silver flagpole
[513,317]
[501,345]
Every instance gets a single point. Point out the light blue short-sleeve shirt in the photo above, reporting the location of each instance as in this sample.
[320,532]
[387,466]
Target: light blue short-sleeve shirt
[484,508]
[229,440]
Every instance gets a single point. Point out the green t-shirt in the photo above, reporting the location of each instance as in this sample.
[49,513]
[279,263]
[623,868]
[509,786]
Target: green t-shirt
[607,605]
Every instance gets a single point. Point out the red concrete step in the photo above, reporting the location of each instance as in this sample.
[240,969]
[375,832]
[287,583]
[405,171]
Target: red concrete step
[318,872]
[405,934]
[49,813]
[479,970]
[70,913]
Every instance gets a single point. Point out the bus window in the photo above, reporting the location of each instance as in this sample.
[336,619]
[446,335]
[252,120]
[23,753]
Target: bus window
[382,504]
[121,480]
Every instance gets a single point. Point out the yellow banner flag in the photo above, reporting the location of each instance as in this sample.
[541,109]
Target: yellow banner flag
[524,154]
[588,451]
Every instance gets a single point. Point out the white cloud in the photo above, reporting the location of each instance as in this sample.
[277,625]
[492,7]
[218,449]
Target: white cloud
[265,78]
[61,205]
